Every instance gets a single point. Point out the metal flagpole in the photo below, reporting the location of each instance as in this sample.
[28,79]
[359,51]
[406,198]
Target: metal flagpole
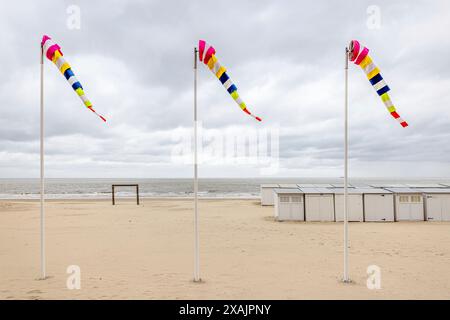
[346,277]
[43,275]
[196,240]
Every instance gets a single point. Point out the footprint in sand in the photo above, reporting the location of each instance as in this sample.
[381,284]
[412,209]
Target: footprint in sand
[34,291]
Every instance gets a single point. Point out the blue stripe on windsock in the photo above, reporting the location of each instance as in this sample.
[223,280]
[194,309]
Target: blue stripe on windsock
[383,90]
[224,77]
[77,85]
[376,79]
[231,89]
[68,73]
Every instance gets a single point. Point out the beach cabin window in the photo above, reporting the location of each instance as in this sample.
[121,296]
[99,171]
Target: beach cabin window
[284,198]
[415,198]
[404,199]
[296,199]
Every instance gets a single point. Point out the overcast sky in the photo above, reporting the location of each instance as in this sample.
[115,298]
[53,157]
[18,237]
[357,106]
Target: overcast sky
[134,60]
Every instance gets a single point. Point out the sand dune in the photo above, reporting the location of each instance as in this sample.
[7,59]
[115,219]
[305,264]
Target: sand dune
[146,252]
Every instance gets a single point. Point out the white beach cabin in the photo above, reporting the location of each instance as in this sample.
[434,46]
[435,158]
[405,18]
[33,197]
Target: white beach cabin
[409,205]
[378,205]
[267,195]
[355,204]
[289,205]
[437,204]
[319,204]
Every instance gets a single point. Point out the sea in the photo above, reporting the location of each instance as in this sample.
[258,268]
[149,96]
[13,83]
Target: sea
[244,188]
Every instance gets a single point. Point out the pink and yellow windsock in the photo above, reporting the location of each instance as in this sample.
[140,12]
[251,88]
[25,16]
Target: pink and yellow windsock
[53,52]
[360,56]
[207,54]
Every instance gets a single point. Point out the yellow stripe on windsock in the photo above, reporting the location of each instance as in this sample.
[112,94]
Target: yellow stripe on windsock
[56,56]
[64,67]
[212,61]
[220,72]
[79,91]
[385,97]
[366,61]
[373,73]
[391,109]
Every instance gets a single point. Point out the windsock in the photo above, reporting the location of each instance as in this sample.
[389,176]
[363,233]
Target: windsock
[360,56]
[53,52]
[207,55]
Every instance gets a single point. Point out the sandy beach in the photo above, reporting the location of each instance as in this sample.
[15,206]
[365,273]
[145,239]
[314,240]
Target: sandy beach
[146,252]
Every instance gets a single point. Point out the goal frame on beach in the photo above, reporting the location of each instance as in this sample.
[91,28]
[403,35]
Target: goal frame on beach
[113,190]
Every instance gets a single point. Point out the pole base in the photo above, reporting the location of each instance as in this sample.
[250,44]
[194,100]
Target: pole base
[346,280]
[199,280]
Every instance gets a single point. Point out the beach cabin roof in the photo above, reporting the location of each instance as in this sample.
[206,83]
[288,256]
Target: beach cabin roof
[404,190]
[361,191]
[314,185]
[435,190]
[425,185]
[288,185]
[341,185]
[360,185]
[317,190]
[388,185]
[270,185]
[288,191]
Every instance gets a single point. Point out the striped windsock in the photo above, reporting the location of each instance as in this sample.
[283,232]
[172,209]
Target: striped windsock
[360,56]
[207,55]
[53,52]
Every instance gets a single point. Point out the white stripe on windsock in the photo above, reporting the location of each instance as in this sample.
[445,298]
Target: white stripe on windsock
[83,97]
[72,80]
[216,67]
[388,103]
[60,62]
[380,84]
[369,68]
[228,83]
[204,51]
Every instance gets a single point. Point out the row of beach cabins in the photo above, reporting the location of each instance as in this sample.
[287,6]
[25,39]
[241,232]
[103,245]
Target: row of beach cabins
[376,202]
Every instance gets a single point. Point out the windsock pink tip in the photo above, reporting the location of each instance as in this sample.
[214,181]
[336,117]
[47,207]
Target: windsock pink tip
[44,38]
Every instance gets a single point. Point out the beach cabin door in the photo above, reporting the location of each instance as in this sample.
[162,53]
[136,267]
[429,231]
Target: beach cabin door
[378,207]
[297,208]
[290,208]
[355,207]
[319,207]
[409,207]
[438,207]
